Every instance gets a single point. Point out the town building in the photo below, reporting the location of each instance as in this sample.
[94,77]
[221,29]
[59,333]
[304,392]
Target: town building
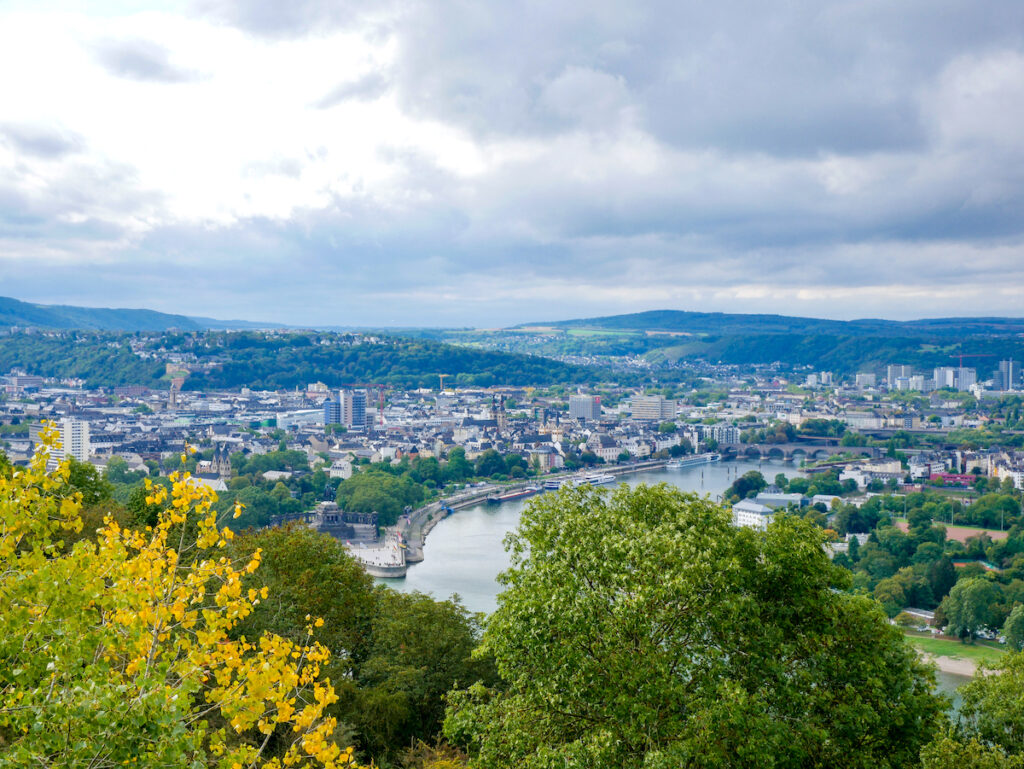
[747,512]
[652,407]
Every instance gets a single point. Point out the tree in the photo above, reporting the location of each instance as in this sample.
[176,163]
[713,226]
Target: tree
[853,549]
[952,752]
[993,707]
[640,628]
[747,485]
[420,649]
[121,651]
[458,467]
[941,577]
[889,593]
[968,607]
[490,462]
[1013,629]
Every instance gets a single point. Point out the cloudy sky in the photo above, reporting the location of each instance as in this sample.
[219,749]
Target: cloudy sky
[436,162]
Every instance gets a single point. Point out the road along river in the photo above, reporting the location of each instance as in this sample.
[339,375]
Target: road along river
[463,554]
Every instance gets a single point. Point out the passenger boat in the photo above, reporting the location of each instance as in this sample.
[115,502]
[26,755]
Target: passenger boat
[529,491]
[698,459]
[594,479]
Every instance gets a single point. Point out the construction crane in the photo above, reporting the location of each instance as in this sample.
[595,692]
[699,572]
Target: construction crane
[442,377]
[961,356]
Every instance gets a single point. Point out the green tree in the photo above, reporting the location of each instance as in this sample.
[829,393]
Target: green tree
[941,577]
[1013,628]
[952,752]
[489,463]
[639,628]
[968,607]
[993,707]
[458,468]
[747,485]
[420,649]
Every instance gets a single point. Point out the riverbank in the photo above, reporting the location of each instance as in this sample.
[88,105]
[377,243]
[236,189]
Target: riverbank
[417,525]
[952,656]
[954,665]
[467,553]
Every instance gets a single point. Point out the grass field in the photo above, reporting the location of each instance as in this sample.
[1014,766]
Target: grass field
[959,533]
[944,647]
[599,332]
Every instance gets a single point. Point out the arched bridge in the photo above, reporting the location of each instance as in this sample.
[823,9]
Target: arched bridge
[795,452]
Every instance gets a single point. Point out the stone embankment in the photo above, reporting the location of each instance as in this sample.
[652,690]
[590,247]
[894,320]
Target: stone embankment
[414,527]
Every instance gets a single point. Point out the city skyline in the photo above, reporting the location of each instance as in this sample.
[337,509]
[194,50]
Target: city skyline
[420,164]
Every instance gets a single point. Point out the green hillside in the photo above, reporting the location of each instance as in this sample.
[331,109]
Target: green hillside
[734,323]
[275,361]
[14,312]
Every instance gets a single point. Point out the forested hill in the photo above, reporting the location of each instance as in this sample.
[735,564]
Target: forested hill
[719,323]
[218,360]
[14,312]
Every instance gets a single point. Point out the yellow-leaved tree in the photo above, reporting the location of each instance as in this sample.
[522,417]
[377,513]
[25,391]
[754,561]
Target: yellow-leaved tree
[122,651]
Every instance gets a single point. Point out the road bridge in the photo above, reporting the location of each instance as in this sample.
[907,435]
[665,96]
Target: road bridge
[793,452]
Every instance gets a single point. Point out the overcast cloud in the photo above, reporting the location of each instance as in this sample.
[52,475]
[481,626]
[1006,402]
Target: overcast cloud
[464,163]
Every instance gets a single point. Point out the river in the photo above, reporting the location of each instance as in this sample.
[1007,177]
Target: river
[464,554]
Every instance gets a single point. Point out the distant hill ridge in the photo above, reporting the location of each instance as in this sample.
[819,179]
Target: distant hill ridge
[735,323]
[14,312]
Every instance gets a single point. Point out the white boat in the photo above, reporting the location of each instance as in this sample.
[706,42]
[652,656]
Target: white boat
[554,484]
[698,459]
[594,479]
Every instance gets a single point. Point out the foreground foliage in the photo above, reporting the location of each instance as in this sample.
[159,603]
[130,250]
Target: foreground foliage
[122,650]
[640,629]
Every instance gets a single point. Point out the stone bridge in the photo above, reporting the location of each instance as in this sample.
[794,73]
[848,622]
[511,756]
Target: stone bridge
[794,452]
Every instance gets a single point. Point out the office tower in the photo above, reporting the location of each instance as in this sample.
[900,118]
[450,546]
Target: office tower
[332,411]
[1008,375]
[653,407]
[585,407]
[353,408]
[894,372]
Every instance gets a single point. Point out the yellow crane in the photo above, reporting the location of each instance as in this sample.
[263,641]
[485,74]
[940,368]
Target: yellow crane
[442,377]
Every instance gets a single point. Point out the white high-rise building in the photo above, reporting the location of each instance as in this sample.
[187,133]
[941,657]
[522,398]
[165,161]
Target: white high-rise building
[958,378]
[74,441]
[353,408]
[866,380]
[894,372]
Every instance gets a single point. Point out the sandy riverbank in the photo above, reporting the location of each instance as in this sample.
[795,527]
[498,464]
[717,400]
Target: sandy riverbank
[958,667]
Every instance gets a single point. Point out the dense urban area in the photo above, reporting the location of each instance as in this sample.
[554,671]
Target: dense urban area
[912,478]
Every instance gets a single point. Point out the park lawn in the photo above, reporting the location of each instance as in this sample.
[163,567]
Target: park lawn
[944,647]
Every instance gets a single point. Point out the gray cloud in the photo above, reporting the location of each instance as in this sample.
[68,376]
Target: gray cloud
[141,60]
[294,18]
[843,158]
[39,140]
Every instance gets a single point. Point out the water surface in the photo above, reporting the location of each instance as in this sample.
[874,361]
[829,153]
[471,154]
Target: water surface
[464,554]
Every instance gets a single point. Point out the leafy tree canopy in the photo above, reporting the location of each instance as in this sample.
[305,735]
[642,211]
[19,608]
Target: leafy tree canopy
[640,629]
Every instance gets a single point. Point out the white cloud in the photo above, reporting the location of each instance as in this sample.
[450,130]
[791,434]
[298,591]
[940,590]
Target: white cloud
[614,156]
